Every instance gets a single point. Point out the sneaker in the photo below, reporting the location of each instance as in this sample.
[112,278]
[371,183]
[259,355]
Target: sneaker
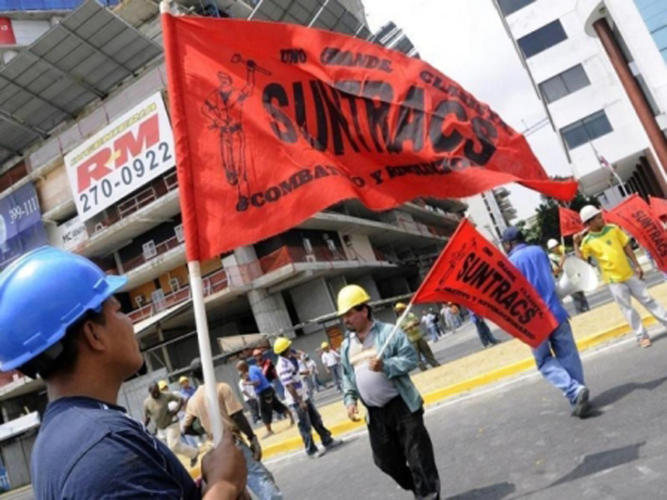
[333,443]
[581,403]
[645,342]
[317,454]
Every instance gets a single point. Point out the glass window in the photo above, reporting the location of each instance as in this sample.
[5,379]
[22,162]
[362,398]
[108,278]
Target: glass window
[586,129]
[509,6]
[541,39]
[564,83]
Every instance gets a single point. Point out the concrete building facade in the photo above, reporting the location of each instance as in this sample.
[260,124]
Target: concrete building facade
[88,71]
[599,68]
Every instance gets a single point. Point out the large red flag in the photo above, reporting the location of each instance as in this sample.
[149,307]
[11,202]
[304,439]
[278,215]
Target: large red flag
[658,206]
[570,222]
[636,217]
[472,272]
[275,122]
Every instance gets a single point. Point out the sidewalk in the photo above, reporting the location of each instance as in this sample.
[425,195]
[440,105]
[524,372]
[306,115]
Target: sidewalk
[482,368]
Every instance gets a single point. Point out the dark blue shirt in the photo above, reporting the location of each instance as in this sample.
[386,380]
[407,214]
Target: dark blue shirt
[534,264]
[88,449]
[255,374]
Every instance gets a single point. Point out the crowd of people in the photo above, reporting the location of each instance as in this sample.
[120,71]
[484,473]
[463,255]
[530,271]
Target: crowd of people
[83,346]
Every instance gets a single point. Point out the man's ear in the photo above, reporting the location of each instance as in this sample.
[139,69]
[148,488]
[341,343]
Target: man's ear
[91,335]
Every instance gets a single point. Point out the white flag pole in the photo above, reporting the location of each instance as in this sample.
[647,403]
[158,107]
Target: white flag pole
[205,356]
[201,325]
[396,327]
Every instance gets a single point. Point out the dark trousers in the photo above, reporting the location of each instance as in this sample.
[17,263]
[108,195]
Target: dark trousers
[268,402]
[484,332]
[402,448]
[310,419]
[580,302]
[424,351]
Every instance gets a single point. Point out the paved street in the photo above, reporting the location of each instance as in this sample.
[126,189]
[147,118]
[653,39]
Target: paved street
[517,440]
[465,341]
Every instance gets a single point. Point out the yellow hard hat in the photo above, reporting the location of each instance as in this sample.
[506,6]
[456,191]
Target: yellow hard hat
[281,345]
[324,345]
[162,385]
[182,379]
[399,306]
[351,296]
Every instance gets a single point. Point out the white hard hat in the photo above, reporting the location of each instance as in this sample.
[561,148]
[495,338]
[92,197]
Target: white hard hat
[552,243]
[588,212]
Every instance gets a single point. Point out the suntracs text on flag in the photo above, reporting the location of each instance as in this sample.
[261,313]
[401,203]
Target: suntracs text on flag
[270,132]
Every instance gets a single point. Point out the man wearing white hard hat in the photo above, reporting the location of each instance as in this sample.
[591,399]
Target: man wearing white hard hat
[401,444]
[289,368]
[331,361]
[557,256]
[620,269]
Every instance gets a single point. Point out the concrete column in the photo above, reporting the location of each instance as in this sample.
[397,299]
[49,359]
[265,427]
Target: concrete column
[270,312]
[634,93]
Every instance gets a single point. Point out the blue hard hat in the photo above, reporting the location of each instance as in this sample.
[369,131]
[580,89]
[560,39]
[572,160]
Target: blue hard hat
[41,295]
[511,234]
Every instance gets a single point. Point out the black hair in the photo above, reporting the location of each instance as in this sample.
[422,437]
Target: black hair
[369,312]
[61,357]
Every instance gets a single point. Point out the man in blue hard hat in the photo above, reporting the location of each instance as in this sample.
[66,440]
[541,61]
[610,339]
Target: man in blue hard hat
[59,320]
[557,358]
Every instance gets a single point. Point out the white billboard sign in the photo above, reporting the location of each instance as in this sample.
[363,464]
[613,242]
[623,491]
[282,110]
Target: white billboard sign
[128,153]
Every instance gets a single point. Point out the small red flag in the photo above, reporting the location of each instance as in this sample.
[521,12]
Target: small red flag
[570,222]
[658,206]
[472,272]
[272,131]
[636,217]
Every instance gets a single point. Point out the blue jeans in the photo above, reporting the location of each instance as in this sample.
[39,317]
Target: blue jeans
[335,373]
[484,333]
[308,420]
[433,332]
[260,481]
[562,367]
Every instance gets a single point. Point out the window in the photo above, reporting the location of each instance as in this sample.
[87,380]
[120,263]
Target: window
[509,6]
[585,130]
[541,39]
[564,83]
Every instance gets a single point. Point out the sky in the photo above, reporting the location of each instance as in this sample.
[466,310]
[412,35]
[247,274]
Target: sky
[466,40]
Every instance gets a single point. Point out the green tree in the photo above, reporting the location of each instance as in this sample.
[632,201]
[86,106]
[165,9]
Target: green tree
[548,225]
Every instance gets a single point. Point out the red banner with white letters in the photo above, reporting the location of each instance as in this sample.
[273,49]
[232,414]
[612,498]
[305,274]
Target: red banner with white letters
[473,272]
[270,132]
[636,217]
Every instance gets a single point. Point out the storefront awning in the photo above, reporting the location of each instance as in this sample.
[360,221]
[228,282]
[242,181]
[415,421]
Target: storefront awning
[75,62]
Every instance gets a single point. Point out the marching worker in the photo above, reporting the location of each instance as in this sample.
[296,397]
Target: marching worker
[331,361]
[557,256]
[268,401]
[157,407]
[83,347]
[186,390]
[410,325]
[289,367]
[260,480]
[400,442]
[557,357]
[613,253]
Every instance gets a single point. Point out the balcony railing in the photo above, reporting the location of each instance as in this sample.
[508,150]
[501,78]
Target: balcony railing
[155,190]
[160,248]
[212,283]
[290,254]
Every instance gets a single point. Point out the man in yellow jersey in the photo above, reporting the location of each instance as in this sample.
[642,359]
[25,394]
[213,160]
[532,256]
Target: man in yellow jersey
[614,255]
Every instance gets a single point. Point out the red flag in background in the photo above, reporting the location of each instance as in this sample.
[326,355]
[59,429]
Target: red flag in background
[275,122]
[636,217]
[472,272]
[658,206]
[570,222]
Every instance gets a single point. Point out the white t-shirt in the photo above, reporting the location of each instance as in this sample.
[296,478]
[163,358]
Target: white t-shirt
[330,358]
[247,390]
[374,388]
[288,374]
